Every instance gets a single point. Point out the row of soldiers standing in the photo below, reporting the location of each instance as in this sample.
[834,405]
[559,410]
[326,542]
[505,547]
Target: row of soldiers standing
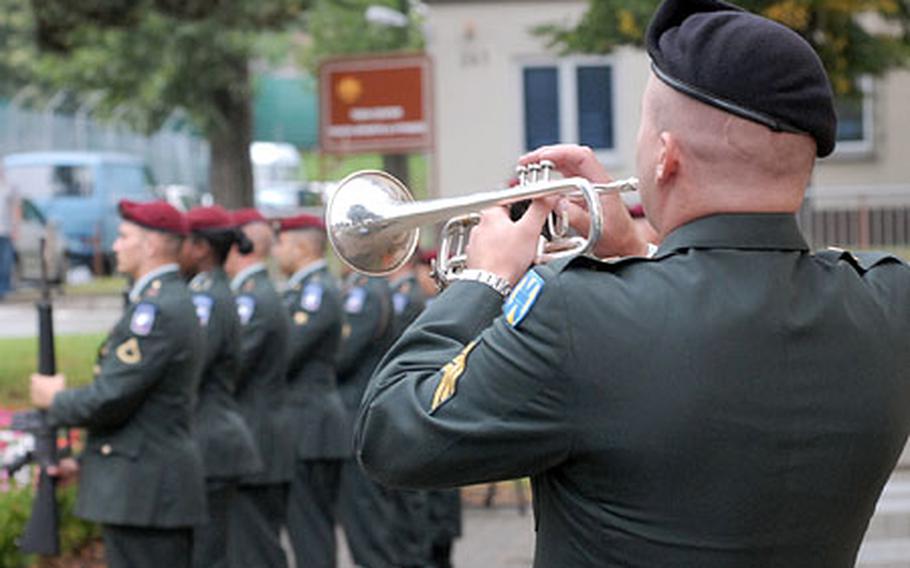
[209,435]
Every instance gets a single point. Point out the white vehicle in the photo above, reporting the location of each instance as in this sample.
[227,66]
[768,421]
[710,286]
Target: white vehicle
[278,182]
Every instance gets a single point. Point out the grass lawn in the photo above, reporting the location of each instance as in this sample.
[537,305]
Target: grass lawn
[324,167]
[18,360]
[99,286]
[903,252]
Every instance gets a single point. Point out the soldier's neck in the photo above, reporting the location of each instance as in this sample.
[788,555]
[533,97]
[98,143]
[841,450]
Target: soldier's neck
[151,265]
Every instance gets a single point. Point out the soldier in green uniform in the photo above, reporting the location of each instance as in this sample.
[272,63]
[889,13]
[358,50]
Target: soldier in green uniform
[411,513]
[225,440]
[443,505]
[318,416]
[260,505]
[364,508]
[731,400]
[141,476]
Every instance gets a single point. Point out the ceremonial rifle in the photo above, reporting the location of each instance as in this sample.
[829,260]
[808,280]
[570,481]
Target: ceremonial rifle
[41,534]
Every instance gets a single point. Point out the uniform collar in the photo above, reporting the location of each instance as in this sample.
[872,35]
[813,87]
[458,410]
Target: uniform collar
[215,275]
[746,231]
[307,270]
[147,278]
[245,274]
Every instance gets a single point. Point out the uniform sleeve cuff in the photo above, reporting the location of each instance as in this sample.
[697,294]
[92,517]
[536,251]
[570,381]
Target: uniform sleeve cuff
[472,305]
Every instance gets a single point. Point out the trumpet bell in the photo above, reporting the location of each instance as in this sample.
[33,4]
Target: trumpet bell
[358,224]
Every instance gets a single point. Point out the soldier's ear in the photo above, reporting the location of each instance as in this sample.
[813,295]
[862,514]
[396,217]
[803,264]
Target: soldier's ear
[667,158]
[244,244]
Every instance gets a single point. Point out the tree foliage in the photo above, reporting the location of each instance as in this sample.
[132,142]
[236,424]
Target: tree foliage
[152,57]
[340,27]
[852,37]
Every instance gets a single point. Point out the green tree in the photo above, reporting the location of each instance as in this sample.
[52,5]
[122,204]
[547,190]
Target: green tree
[341,27]
[154,56]
[852,37]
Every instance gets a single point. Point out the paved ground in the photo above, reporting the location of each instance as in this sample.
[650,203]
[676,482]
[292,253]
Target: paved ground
[493,538]
[84,314]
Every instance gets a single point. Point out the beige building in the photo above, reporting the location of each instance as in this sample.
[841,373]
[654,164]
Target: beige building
[500,91]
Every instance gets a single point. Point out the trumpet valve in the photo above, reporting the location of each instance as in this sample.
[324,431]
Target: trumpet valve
[546,169]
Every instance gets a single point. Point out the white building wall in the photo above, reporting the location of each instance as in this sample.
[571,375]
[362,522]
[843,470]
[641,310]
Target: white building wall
[478,49]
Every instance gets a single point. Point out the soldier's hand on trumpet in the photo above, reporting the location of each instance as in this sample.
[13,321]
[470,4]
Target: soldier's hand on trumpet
[619,236]
[504,247]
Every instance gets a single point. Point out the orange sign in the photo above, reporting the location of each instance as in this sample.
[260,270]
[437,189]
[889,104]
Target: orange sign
[375,104]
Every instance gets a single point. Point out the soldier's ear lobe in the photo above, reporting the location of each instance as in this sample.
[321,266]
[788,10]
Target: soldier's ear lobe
[667,158]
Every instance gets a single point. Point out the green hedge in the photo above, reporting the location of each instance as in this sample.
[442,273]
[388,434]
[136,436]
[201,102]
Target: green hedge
[15,507]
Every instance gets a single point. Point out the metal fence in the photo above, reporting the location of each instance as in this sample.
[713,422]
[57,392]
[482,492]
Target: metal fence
[858,217]
[174,154]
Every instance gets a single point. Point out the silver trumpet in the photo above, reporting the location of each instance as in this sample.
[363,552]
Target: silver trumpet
[373,222]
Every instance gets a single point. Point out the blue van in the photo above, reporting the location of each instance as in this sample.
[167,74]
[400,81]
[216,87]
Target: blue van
[80,192]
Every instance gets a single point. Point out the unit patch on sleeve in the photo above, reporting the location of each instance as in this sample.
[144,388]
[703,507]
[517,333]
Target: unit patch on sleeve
[399,302]
[522,298]
[143,319]
[312,297]
[203,305]
[246,305]
[353,304]
[445,390]
[128,352]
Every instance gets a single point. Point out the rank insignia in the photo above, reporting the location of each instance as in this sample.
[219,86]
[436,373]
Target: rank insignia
[353,304]
[128,352]
[143,319]
[203,305]
[346,331]
[301,318]
[201,283]
[445,390]
[246,305]
[522,298]
[312,297]
[399,302]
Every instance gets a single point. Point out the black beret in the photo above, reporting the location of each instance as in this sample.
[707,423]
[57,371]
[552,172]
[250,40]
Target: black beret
[744,64]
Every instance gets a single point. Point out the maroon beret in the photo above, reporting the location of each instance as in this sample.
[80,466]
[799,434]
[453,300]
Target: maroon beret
[298,222]
[246,216]
[157,215]
[209,218]
[426,256]
[637,210]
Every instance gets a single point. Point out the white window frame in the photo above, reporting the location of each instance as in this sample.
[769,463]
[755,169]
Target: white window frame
[567,81]
[864,147]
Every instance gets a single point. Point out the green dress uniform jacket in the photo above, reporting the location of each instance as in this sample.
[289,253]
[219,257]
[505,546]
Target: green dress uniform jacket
[367,333]
[408,302]
[734,401]
[317,413]
[262,385]
[141,466]
[364,508]
[225,441]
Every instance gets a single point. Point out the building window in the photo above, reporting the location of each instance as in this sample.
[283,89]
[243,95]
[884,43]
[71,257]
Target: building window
[541,94]
[569,101]
[595,106]
[855,120]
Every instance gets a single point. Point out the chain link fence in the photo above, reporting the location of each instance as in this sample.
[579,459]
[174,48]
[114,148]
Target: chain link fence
[174,154]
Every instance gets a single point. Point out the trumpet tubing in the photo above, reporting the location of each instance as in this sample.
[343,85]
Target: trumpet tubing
[373,222]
